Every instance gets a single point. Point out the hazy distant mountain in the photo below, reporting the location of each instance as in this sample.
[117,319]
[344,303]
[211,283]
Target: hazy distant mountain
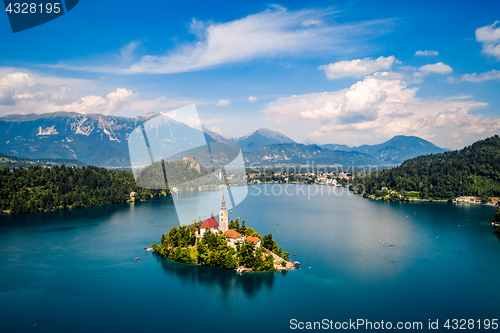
[260,138]
[214,136]
[331,146]
[296,153]
[252,141]
[395,150]
[310,142]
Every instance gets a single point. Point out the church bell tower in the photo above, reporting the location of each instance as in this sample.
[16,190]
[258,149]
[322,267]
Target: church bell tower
[223,216]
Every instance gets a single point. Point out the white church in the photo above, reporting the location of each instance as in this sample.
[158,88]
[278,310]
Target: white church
[212,224]
[233,237]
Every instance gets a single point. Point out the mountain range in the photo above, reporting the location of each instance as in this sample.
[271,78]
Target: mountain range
[300,154]
[394,151]
[252,141]
[101,140]
[93,139]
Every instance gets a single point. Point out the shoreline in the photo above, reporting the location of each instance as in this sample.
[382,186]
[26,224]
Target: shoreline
[243,268]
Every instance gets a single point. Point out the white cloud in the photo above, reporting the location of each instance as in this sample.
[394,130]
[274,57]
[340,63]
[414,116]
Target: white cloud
[17,80]
[87,104]
[489,37]
[438,68]
[317,134]
[378,108]
[272,33]
[426,53]
[223,102]
[114,101]
[22,91]
[171,114]
[491,75]
[120,98]
[6,95]
[309,22]
[252,99]
[357,67]
[216,129]
[360,102]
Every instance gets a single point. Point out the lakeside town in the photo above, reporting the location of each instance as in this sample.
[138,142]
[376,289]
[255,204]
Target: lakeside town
[348,180]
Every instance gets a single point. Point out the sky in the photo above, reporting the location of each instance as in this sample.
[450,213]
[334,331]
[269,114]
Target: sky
[343,72]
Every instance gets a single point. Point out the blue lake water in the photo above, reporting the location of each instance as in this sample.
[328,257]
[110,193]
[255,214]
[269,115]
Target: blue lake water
[75,271]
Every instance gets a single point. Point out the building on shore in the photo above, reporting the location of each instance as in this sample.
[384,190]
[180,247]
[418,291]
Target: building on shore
[255,240]
[468,199]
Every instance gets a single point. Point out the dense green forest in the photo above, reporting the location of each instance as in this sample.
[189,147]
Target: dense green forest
[471,171]
[40,189]
[180,244]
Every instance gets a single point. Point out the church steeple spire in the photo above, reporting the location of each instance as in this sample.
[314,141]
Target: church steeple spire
[223,216]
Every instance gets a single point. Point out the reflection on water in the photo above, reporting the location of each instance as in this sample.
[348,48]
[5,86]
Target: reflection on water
[224,280]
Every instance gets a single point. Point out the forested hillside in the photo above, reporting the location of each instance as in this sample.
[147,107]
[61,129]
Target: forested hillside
[46,189]
[39,189]
[471,171]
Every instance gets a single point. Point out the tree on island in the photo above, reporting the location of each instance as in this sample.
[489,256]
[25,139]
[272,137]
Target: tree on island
[269,243]
[213,250]
[497,216]
[251,257]
[235,225]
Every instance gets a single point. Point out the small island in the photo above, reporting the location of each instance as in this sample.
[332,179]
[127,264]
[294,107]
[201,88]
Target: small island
[228,245]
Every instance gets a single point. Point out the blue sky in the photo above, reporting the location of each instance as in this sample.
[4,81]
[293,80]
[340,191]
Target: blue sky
[347,72]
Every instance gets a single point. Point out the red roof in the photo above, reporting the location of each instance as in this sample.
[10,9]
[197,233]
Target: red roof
[232,233]
[254,240]
[209,223]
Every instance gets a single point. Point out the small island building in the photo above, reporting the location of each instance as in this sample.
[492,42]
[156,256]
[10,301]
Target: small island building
[212,223]
[233,237]
[254,240]
[209,224]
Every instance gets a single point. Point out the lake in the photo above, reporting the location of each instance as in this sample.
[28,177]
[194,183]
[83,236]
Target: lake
[75,271]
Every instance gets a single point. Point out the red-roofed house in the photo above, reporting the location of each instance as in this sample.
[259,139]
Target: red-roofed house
[254,240]
[211,224]
[233,237]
